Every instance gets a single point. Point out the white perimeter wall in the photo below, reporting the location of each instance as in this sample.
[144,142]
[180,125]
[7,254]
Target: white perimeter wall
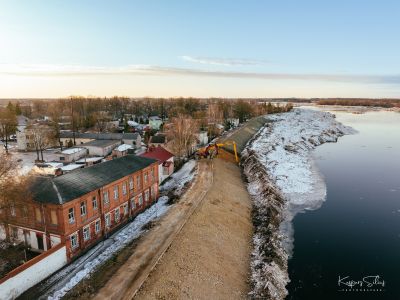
[2,232]
[18,284]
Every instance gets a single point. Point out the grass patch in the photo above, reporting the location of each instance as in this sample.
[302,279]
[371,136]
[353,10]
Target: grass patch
[88,287]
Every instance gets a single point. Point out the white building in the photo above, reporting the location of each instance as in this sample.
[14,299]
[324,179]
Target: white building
[133,139]
[121,150]
[71,154]
[202,138]
[101,147]
[155,122]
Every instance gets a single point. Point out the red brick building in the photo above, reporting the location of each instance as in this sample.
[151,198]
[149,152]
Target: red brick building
[83,206]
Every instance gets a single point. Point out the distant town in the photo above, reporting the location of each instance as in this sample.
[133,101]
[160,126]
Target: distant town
[75,170]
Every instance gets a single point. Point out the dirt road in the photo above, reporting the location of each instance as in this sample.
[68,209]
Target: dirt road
[199,250]
[209,258]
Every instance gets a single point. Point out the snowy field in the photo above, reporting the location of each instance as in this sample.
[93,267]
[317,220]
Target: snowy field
[63,281]
[26,160]
[283,180]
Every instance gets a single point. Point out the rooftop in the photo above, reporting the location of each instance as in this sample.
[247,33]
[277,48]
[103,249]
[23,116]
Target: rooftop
[72,150]
[65,188]
[123,147]
[100,136]
[158,153]
[71,167]
[158,139]
[89,159]
[101,143]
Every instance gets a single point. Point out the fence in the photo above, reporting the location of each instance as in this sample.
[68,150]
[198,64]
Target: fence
[32,272]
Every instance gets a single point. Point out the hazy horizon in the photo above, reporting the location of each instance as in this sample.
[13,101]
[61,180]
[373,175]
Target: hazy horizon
[291,49]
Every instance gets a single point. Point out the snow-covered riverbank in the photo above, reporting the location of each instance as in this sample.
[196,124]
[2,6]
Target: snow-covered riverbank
[283,180]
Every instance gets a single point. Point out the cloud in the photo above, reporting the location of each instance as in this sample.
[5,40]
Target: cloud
[140,70]
[223,61]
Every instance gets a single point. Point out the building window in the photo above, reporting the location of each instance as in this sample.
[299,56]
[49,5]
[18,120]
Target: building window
[108,220]
[146,196]
[15,233]
[25,211]
[124,188]
[145,178]
[105,198]
[116,192]
[86,233]
[140,200]
[133,204]
[152,175]
[165,171]
[71,215]
[74,240]
[53,216]
[153,191]
[94,203]
[97,226]
[116,215]
[62,158]
[126,209]
[131,183]
[12,210]
[83,208]
[38,215]
[138,181]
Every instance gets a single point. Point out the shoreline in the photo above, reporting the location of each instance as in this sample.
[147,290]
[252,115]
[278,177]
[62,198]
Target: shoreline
[282,181]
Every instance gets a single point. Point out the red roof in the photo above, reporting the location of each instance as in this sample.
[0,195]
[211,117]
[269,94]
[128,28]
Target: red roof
[158,153]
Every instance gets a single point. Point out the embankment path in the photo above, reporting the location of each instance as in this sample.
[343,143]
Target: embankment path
[199,250]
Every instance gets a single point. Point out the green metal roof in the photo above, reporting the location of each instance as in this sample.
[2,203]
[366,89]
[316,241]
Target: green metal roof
[62,189]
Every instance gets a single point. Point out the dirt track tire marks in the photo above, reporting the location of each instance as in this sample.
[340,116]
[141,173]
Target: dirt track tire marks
[131,276]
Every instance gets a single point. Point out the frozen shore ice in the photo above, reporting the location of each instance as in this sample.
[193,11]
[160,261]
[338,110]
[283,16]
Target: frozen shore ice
[284,180]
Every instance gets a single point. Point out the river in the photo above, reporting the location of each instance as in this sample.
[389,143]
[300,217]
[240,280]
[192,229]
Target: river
[355,235]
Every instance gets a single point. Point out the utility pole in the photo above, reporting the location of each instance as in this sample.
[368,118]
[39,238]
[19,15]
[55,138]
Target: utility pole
[73,120]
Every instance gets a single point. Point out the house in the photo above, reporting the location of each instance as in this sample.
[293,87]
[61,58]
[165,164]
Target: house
[26,136]
[158,140]
[202,138]
[165,161]
[121,150]
[155,122]
[71,154]
[133,139]
[80,208]
[233,121]
[101,147]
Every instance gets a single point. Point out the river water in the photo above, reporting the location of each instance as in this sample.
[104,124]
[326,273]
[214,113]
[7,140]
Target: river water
[341,248]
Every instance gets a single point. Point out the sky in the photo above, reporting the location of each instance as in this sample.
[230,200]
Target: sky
[250,48]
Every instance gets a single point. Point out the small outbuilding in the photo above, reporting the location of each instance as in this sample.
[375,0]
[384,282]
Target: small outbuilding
[101,147]
[165,161]
[121,150]
[71,154]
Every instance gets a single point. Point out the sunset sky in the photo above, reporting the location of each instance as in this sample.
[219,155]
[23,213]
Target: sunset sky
[200,48]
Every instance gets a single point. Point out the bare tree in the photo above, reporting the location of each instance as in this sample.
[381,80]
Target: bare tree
[12,190]
[183,133]
[101,118]
[8,125]
[41,137]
